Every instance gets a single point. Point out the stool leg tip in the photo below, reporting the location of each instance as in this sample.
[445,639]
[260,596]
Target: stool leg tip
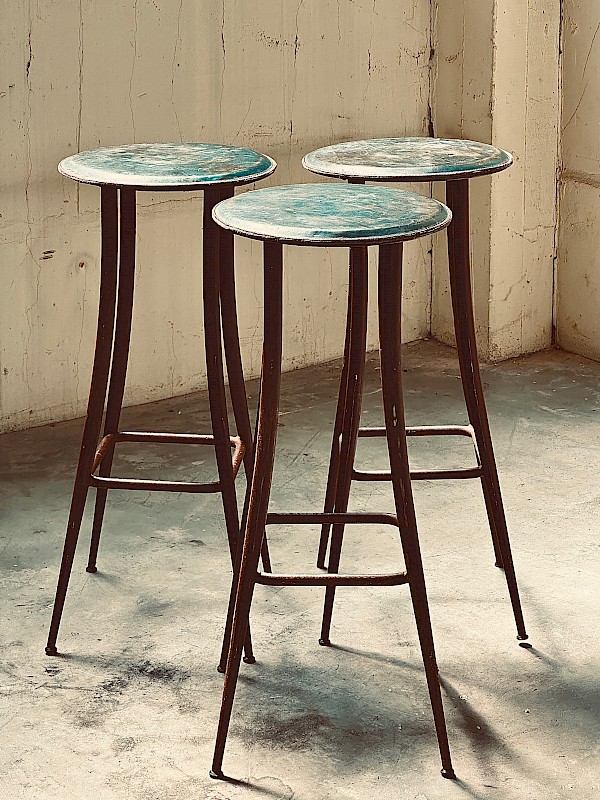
[325,642]
[499,564]
[51,650]
[221,669]
[216,774]
[523,643]
[448,773]
[91,569]
[249,660]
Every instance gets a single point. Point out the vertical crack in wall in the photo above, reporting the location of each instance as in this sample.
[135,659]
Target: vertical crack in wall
[557,185]
[526,161]
[29,223]
[82,302]
[294,77]
[369,66]
[431,76]
[80,90]
[173,67]
[431,71]
[133,60]
[224,52]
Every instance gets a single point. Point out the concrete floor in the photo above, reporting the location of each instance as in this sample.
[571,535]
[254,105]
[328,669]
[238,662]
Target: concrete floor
[130,709]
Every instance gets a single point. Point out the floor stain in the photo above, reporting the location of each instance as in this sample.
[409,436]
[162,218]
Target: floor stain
[151,607]
[124,744]
[105,699]
[290,733]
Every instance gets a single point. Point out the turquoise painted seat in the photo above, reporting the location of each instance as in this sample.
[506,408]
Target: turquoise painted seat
[415,158]
[331,214]
[164,167]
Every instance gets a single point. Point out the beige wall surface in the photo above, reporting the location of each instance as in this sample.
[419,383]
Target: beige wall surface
[578,273]
[282,78]
[497,80]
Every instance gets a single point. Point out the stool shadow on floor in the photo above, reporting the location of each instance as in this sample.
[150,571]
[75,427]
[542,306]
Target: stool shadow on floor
[335,712]
[374,656]
[286,793]
[487,746]
[545,659]
[107,577]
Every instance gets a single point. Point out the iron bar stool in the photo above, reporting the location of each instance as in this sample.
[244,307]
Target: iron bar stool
[121,172]
[355,217]
[455,162]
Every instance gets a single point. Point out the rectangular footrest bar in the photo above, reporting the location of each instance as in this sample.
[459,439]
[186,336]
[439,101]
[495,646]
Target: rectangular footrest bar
[155,486]
[112,439]
[423,430]
[386,579]
[424,474]
[420,475]
[446,474]
[347,518]
[166,438]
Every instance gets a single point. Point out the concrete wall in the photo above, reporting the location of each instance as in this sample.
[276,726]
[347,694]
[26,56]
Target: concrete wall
[280,77]
[497,80]
[578,273]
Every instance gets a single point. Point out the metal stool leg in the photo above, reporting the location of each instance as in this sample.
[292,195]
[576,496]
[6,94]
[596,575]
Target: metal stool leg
[235,372]
[97,396]
[216,384]
[350,421]
[261,485]
[334,457]
[390,290]
[457,198]
[120,355]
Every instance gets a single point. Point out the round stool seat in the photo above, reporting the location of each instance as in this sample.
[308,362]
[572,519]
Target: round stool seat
[407,159]
[188,165]
[332,214]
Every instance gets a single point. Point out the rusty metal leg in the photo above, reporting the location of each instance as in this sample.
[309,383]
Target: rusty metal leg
[120,355]
[334,458]
[235,372]
[216,384]
[390,289]
[261,485]
[95,409]
[351,416]
[457,197]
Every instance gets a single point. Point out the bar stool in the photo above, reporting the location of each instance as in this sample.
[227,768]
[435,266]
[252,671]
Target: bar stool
[333,216]
[121,172]
[455,162]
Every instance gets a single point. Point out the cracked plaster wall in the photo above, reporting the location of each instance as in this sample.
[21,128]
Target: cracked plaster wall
[282,78]
[578,273]
[497,79]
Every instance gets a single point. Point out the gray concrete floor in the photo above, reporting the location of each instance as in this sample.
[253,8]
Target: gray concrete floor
[130,709]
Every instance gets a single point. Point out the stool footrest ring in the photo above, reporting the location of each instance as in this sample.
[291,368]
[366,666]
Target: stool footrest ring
[424,474]
[333,579]
[424,430]
[112,439]
[154,486]
[346,518]
[420,475]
